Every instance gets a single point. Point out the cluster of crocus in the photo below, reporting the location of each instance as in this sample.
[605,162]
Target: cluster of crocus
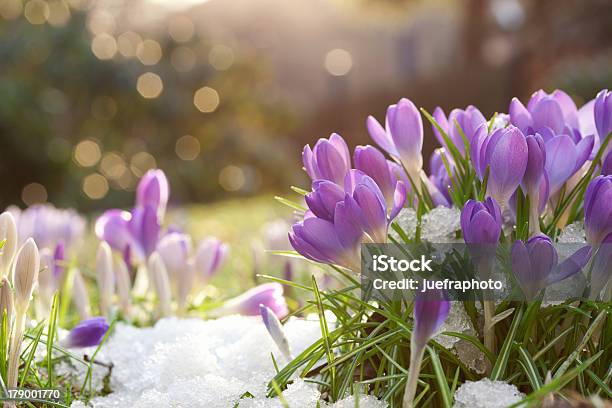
[165,258]
[346,206]
[531,166]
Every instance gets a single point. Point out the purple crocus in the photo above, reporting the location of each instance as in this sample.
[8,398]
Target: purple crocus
[136,232]
[372,162]
[535,264]
[468,120]
[402,136]
[328,160]
[603,114]
[431,309]
[209,257]
[87,333]
[153,191]
[337,223]
[481,222]
[598,209]
[440,179]
[269,295]
[175,249]
[505,153]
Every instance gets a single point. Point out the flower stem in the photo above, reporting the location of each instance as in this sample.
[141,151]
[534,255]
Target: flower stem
[489,331]
[14,353]
[416,358]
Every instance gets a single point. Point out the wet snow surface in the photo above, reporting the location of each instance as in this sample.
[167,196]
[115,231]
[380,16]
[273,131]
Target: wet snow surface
[196,363]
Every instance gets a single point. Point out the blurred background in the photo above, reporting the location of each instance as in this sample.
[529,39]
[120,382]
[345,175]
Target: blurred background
[223,94]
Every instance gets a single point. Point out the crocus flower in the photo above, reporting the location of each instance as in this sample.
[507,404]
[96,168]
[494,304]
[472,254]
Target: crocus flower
[209,257]
[328,160]
[598,209]
[50,226]
[535,181]
[275,329]
[88,333]
[481,222]
[603,114]
[8,235]
[25,277]
[335,226]
[248,304]
[402,136]
[124,285]
[440,179]
[430,311]
[105,277]
[6,302]
[153,191]
[136,232]
[535,264]
[80,297]
[175,249]
[505,153]
[46,282]
[161,283]
[554,111]
[372,162]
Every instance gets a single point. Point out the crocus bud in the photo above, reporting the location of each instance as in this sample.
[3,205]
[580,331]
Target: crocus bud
[535,264]
[88,333]
[506,155]
[268,294]
[153,191]
[161,283]
[323,198]
[481,222]
[442,121]
[402,136]
[372,162]
[25,274]
[536,157]
[565,155]
[174,250]
[469,120]
[105,277]
[46,282]
[603,114]
[275,329]
[80,296]
[430,311]
[328,160]
[8,235]
[6,302]
[209,257]
[598,209]
[124,285]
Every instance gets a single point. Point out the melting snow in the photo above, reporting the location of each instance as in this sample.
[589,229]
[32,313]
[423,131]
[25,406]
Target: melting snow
[487,394]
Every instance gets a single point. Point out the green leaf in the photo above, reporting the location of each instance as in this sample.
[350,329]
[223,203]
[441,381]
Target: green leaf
[445,392]
[504,355]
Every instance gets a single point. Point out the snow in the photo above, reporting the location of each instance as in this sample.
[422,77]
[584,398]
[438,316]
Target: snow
[573,233]
[487,394]
[458,321]
[196,363]
[438,225]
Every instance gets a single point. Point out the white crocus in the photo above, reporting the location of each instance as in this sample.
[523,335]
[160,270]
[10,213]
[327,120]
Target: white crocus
[25,277]
[161,283]
[124,285]
[80,295]
[8,235]
[105,278]
[275,329]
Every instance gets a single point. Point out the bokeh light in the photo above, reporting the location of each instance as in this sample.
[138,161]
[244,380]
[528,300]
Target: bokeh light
[87,153]
[221,57]
[141,162]
[34,193]
[59,13]
[10,9]
[36,11]
[149,85]
[183,59]
[113,166]
[181,28]
[101,22]
[231,178]
[206,99]
[149,52]
[104,46]
[127,43]
[95,186]
[338,62]
[187,147]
